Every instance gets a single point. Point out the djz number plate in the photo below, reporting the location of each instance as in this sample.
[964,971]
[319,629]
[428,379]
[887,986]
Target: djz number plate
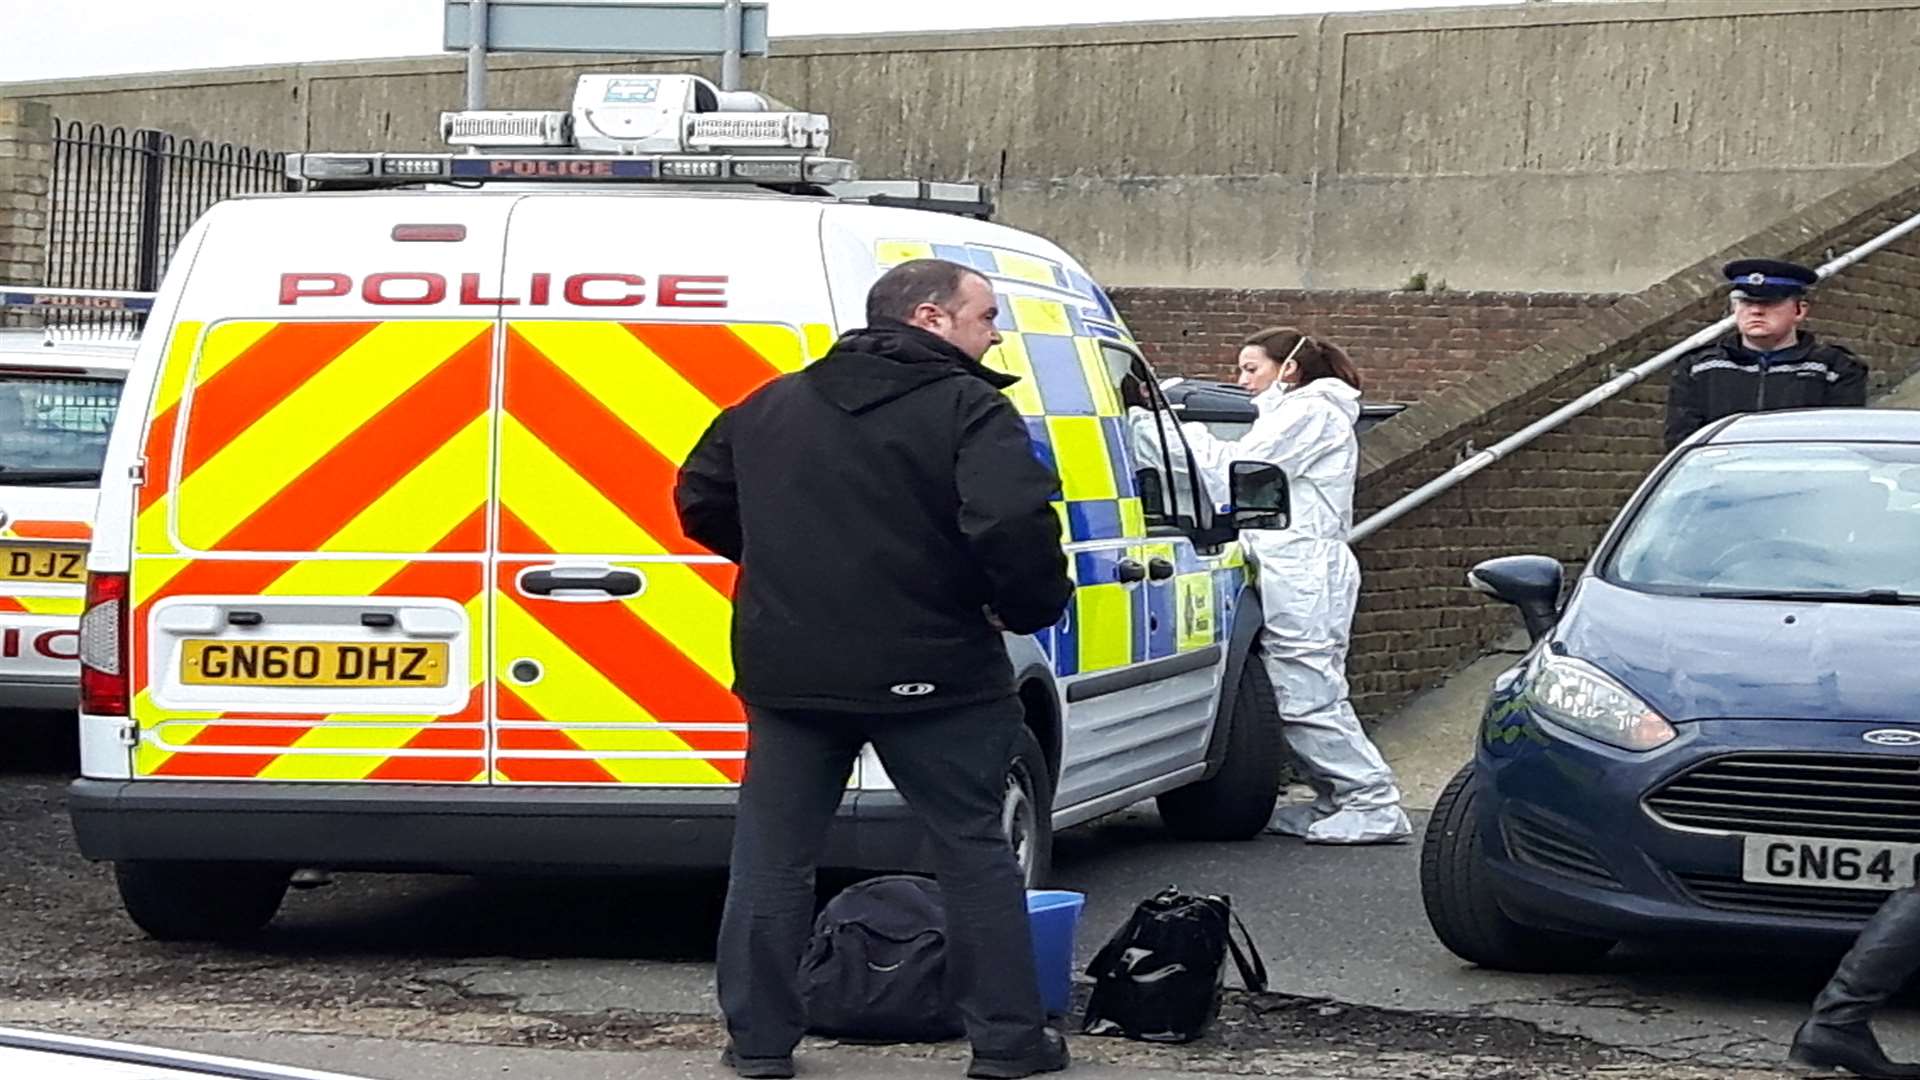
[20,562]
[1829,864]
[314,663]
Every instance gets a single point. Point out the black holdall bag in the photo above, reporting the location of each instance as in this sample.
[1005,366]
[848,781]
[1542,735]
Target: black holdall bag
[876,967]
[1160,978]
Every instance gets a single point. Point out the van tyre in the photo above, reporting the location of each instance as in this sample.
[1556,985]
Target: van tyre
[1237,802]
[1026,809]
[1458,893]
[194,901]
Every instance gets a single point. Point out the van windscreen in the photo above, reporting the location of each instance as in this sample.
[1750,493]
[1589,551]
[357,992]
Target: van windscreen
[54,427]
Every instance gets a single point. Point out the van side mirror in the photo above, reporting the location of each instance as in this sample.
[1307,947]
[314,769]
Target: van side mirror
[1259,495]
[1529,582]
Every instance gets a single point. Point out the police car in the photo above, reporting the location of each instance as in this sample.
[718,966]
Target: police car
[388,574]
[59,391]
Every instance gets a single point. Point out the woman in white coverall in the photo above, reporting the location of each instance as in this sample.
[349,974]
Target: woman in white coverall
[1308,394]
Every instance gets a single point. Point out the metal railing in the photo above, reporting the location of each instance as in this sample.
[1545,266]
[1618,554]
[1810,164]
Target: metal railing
[1446,481]
[120,199]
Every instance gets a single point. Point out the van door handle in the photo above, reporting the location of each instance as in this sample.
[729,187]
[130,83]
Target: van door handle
[1159,569]
[582,579]
[1129,571]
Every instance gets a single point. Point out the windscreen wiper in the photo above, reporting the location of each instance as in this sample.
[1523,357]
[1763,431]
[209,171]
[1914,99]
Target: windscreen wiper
[48,476]
[1830,596]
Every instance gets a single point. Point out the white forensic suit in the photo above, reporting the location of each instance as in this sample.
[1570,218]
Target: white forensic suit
[1147,432]
[1309,583]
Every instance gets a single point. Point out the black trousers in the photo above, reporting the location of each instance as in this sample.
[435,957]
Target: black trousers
[951,768]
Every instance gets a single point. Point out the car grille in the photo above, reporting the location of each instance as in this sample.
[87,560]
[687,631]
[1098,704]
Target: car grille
[1545,847]
[1835,796]
[1732,894]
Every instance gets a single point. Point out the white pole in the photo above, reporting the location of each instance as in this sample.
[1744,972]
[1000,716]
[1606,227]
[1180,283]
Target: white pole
[730,59]
[1430,490]
[477,54]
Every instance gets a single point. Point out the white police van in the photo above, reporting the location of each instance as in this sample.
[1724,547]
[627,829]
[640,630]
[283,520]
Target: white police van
[388,576]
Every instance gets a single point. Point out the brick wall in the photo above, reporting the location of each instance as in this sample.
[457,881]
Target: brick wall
[26,128]
[1417,619]
[1408,344]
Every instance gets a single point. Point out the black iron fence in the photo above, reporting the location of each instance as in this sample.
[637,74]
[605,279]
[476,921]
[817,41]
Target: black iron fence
[122,199]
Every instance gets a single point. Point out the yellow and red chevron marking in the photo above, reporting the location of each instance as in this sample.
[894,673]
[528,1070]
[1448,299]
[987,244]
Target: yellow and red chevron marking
[294,746]
[308,436]
[43,605]
[47,530]
[375,438]
[318,437]
[598,418]
[622,405]
[618,695]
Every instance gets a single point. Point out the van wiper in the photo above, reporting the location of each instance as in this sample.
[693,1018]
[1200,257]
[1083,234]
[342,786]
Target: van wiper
[48,476]
[1830,596]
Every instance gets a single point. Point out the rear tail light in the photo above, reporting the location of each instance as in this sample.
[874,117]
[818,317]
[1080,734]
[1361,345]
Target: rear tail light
[103,646]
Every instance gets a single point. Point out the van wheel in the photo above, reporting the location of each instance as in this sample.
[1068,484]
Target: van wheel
[1237,802]
[1461,907]
[1026,811]
[193,901]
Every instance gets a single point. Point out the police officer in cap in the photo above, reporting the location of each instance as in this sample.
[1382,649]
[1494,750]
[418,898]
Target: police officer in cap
[1768,362]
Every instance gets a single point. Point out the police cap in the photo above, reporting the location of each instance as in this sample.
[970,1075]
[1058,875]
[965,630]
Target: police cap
[1767,279]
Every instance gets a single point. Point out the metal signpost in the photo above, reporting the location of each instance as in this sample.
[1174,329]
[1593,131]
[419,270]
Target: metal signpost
[729,29]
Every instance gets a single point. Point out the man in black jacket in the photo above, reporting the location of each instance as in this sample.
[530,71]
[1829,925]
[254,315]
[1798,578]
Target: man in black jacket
[890,519]
[1768,362]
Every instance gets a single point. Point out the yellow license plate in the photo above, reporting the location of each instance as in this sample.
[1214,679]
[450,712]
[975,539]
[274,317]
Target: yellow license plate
[314,663]
[38,562]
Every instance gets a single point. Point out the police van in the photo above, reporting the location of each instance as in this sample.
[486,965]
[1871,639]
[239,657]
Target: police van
[388,575]
[59,391]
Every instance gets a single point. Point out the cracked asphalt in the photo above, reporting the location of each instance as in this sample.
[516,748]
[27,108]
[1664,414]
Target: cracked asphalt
[426,976]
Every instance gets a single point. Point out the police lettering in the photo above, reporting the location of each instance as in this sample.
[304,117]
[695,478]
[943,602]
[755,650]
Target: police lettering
[78,301]
[50,644]
[422,288]
[550,168]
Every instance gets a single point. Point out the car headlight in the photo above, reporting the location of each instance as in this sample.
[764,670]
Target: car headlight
[1577,695]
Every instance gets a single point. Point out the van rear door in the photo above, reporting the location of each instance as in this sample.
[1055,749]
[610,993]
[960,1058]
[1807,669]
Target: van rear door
[311,539]
[612,658]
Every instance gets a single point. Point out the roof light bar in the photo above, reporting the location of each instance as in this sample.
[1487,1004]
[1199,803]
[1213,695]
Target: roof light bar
[34,296]
[507,127]
[641,128]
[393,170]
[790,130]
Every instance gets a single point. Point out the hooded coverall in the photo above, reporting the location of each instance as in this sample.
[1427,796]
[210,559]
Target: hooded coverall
[1309,584]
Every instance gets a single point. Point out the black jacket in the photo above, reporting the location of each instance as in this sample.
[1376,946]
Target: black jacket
[878,503]
[1726,377]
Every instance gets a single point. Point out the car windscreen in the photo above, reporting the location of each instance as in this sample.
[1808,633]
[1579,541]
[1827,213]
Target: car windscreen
[1839,519]
[54,427]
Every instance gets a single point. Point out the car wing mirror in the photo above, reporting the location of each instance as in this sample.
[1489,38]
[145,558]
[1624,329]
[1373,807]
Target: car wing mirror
[1259,495]
[1529,582]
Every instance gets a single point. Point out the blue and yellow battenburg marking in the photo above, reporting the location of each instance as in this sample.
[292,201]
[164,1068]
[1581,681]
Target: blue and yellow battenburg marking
[1113,625]
[1052,318]
[1091,308]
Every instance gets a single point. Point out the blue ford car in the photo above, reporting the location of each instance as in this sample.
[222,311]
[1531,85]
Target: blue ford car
[1720,730]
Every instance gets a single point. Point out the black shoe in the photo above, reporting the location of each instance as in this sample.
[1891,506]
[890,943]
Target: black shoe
[762,1068]
[1051,1057]
[1847,1046]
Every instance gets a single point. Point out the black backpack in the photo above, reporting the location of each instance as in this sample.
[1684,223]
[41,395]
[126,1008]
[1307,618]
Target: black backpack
[1160,978]
[876,968]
